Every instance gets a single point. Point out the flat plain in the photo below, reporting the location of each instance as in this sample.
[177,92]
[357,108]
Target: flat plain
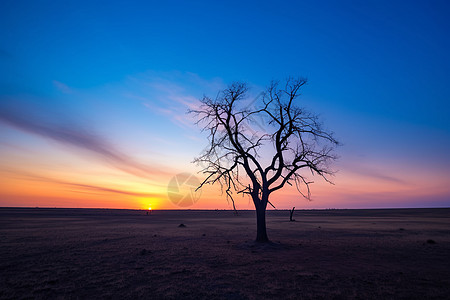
[127,254]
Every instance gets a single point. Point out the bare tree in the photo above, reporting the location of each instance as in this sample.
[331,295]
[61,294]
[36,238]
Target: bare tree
[293,137]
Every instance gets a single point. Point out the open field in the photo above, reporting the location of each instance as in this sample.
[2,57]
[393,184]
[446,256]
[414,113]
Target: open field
[332,254]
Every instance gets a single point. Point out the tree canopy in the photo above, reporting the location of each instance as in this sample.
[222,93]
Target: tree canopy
[258,146]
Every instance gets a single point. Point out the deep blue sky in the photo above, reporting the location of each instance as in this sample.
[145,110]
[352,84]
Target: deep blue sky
[378,74]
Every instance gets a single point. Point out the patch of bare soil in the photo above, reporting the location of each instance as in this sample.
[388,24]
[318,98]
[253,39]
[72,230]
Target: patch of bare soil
[123,254]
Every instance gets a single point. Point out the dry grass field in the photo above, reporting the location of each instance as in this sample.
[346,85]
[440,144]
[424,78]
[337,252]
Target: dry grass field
[126,254]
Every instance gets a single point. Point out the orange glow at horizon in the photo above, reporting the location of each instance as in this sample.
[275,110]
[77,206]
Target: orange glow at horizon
[48,188]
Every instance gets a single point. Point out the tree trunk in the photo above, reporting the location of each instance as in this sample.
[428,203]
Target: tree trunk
[261,233]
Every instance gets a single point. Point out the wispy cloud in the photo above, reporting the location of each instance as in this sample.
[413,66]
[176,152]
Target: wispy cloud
[94,188]
[172,93]
[375,174]
[62,87]
[81,187]
[77,136]
[161,110]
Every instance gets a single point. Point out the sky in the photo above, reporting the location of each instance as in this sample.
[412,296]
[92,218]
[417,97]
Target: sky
[94,94]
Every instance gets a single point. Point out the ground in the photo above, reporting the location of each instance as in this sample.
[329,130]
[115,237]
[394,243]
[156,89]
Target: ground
[324,254]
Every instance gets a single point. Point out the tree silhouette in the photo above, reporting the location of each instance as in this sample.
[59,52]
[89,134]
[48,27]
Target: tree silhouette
[242,133]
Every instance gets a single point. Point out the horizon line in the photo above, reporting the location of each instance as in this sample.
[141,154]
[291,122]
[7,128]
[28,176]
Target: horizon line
[218,209]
